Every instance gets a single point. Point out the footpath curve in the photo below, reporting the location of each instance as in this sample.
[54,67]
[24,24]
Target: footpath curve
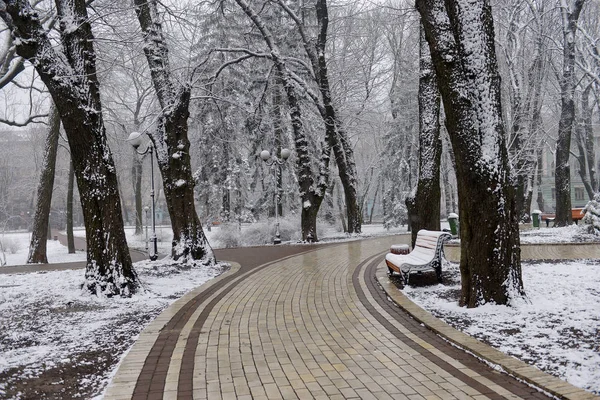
[314,324]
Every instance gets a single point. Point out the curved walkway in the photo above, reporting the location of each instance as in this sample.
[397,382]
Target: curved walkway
[314,324]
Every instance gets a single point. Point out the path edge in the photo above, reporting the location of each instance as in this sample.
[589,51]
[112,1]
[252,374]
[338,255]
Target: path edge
[122,384]
[517,368]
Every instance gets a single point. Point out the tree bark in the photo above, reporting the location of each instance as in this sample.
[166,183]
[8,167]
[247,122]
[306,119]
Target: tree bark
[424,208]
[562,176]
[71,80]
[40,230]
[461,40]
[171,141]
[70,187]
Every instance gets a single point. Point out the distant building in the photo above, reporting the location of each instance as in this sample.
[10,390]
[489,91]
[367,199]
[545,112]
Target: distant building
[579,196]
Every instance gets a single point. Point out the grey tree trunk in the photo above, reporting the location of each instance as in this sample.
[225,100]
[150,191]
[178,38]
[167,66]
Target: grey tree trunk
[468,80]
[171,141]
[70,190]
[40,230]
[424,207]
[71,80]
[562,176]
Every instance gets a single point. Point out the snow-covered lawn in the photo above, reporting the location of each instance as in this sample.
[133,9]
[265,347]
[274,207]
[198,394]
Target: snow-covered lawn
[51,328]
[557,328]
[16,249]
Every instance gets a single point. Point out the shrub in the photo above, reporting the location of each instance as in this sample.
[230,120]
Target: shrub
[227,236]
[10,245]
[592,214]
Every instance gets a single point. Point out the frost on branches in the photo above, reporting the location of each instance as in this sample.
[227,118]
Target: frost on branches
[592,214]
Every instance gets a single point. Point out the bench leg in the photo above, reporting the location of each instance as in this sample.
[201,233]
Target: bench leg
[405,277]
[438,273]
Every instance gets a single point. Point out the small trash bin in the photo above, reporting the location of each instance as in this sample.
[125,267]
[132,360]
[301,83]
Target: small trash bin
[453,221]
[400,249]
[535,216]
[55,238]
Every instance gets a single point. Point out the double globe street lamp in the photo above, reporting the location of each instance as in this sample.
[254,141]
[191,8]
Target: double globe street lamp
[136,139]
[275,163]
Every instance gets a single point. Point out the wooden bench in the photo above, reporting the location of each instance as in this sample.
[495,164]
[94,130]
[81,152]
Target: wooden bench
[576,215]
[426,255]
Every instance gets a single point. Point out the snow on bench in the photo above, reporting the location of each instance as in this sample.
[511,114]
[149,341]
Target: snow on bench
[426,255]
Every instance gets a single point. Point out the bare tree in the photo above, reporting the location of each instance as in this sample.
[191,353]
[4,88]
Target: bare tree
[336,135]
[312,191]
[170,139]
[70,77]
[562,177]
[424,207]
[39,234]
[460,34]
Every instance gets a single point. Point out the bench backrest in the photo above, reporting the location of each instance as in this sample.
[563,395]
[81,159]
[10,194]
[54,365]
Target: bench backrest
[576,213]
[430,243]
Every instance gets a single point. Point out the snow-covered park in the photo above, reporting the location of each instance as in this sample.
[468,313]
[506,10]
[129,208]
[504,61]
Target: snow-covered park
[49,322]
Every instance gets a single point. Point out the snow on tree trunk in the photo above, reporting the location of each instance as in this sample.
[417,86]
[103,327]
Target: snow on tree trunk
[424,207]
[39,233]
[562,176]
[171,141]
[461,41]
[311,193]
[71,80]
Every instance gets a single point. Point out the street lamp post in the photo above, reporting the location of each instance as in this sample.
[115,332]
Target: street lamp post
[136,139]
[146,209]
[276,162]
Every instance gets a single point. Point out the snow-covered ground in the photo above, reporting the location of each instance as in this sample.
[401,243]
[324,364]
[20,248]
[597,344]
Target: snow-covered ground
[556,327]
[49,324]
[16,248]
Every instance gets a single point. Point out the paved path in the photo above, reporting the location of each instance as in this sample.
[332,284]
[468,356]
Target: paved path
[315,323]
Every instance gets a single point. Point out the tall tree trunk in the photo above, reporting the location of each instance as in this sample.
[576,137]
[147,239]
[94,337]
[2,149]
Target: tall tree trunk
[171,141]
[562,176]
[39,234]
[461,40]
[540,171]
[424,207]
[71,80]
[70,187]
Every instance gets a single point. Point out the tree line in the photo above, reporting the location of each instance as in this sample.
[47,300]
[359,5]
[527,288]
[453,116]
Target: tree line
[451,101]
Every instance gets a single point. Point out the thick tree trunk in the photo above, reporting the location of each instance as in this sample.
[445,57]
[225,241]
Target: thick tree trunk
[469,82]
[562,176]
[71,80]
[39,235]
[424,208]
[171,141]
[70,190]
